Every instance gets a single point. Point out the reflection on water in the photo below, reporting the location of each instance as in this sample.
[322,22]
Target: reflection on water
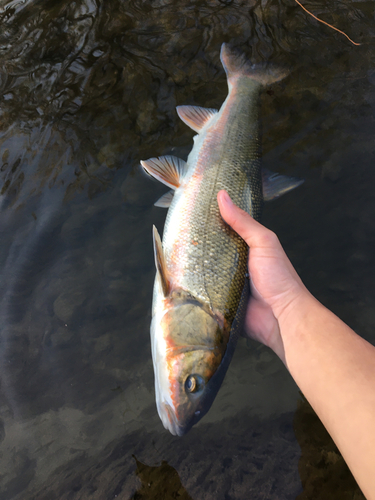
[86,90]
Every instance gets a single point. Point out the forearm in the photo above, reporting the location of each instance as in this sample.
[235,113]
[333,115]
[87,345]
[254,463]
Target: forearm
[335,370]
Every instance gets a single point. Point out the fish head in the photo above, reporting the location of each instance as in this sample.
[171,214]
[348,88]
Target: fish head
[191,344]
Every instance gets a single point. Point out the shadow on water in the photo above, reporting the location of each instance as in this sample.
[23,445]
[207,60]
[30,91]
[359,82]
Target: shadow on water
[323,472]
[159,482]
[87,89]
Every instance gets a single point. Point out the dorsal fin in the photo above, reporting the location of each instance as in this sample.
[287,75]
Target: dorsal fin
[195,117]
[275,185]
[160,262]
[165,200]
[167,169]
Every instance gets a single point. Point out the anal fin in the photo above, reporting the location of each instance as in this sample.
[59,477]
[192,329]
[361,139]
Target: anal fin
[160,262]
[195,117]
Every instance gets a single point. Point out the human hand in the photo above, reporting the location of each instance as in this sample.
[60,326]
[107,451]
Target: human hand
[276,287]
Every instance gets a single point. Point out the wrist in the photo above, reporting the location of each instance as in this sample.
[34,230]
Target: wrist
[294,318]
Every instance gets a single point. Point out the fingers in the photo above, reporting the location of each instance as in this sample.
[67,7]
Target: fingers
[249,229]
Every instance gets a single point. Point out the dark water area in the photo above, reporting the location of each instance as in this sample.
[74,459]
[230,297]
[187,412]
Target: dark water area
[87,89]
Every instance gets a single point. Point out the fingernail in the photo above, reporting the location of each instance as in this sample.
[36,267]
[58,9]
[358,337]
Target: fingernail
[226,199]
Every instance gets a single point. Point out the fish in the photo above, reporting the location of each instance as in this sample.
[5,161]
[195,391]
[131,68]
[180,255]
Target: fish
[201,288]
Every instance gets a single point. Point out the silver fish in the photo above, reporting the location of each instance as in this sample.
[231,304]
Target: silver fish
[201,290]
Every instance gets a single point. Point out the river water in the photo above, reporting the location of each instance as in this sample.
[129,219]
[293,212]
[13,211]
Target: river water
[87,89]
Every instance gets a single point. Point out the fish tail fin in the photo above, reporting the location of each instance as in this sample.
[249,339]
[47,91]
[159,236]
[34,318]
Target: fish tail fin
[236,65]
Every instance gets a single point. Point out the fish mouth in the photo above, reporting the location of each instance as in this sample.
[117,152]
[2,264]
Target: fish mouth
[169,419]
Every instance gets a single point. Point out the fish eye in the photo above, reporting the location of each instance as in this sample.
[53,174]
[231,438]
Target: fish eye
[194,383]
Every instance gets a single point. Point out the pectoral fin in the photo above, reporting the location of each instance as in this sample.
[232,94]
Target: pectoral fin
[165,200]
[275,185]
[160,262]
[167,169]
[195,117]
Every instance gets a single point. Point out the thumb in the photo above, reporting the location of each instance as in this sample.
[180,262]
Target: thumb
[249,229]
